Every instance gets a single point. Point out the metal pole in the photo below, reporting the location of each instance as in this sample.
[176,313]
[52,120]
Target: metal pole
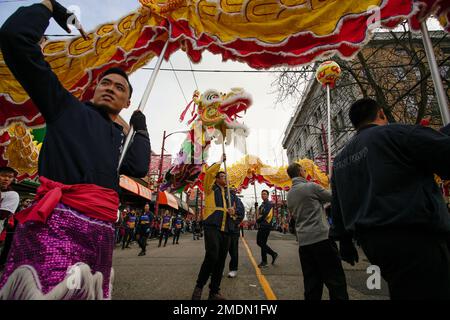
[201,205]
[439,88]
[144,99]
[329,129]
[276,205]
[226,173]
[196,204]
[256,198]
[159,174]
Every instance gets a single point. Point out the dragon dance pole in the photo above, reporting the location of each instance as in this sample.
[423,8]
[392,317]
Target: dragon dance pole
[256,199]
[146,95]
[226,173]
[439,88]
[329,129]
[327,74]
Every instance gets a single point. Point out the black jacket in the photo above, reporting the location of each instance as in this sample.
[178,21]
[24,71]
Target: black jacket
[265,215]
[82,144]
[384,178]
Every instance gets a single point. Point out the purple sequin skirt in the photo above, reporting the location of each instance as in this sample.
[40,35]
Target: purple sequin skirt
[68,257]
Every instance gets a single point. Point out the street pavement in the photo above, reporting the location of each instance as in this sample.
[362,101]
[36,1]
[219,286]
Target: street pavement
[170,273]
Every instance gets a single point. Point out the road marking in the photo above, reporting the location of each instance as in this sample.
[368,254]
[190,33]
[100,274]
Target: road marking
[270,295]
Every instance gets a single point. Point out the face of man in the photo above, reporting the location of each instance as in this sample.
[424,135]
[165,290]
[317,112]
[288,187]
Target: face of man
[146,208]
[264,195]
[6,178]
[302,172]
[112,94]
[220,180]
[26,203]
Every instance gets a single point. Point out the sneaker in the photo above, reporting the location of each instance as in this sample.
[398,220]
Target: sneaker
[274,257]
[142,253]
[197,294]
[262,265]
[232,274]
[216,296]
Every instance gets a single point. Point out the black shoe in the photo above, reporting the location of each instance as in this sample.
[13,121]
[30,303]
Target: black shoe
[274,257]
[197,294]
[262,265]
[177,242]
[142,253]
[216,296]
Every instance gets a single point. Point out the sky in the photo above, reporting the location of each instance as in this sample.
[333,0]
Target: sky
[265,118]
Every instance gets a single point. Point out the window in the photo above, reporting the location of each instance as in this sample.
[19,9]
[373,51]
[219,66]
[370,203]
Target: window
[335,129]
[444,70]
[319,112]
[315,118]
[299,142]
[400,73]
[311,154]
[299,147]
[341,119]
[320,144]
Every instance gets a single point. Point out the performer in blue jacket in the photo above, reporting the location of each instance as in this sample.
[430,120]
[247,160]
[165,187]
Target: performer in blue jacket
[67,236]
[385,196]
[265,212]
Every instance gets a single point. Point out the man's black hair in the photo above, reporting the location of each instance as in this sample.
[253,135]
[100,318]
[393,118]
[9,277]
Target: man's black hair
[218,173]
[293,170]
[120,72]
[266,191]
[8,170]
[363,112]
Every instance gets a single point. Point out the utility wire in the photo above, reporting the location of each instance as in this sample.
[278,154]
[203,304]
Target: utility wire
[193,74]
[179,84]
[9,1]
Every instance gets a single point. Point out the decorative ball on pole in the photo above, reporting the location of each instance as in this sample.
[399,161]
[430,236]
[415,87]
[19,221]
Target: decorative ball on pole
[327,74]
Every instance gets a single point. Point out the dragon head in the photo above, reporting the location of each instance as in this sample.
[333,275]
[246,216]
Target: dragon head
[220,110]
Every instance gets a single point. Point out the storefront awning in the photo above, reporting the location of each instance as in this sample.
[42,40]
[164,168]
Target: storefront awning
[134,187]
[165,198]
[183,205]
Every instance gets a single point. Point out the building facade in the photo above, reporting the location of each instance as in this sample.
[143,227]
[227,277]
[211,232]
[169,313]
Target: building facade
[387,70]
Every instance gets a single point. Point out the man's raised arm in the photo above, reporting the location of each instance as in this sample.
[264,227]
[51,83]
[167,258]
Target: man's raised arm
[19,41]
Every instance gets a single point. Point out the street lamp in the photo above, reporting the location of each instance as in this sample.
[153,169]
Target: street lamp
[160,167]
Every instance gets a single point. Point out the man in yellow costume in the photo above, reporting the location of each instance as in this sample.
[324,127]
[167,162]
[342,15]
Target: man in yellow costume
[218,222]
